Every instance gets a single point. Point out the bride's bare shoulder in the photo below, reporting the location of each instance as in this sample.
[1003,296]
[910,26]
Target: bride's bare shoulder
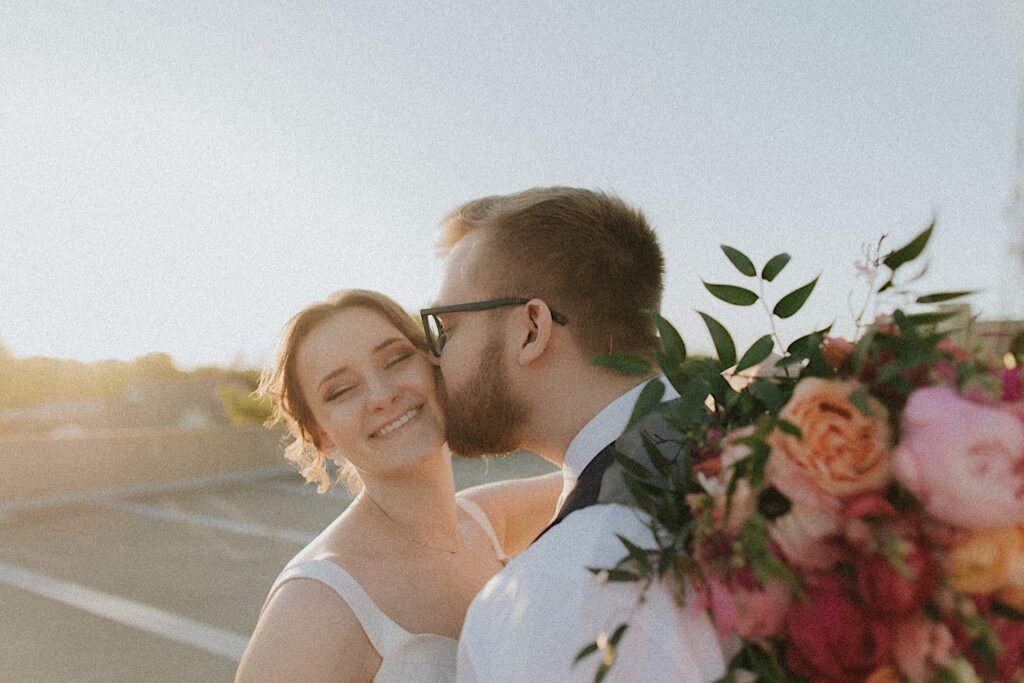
[518,509]
[308,632]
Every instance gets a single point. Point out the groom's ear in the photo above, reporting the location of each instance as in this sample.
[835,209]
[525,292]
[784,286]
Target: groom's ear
[536,331]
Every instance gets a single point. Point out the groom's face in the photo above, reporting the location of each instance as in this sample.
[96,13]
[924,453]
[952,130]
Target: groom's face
[483,413]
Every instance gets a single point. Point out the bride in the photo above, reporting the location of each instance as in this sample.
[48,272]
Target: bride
[382,592]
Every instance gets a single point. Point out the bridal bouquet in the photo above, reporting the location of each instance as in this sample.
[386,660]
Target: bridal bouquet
[851,511]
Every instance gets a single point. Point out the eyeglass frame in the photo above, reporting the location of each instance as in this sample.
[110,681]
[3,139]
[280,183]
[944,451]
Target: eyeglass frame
[436,346]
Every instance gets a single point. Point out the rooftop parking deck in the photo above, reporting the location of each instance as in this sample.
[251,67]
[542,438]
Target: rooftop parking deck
[160,582]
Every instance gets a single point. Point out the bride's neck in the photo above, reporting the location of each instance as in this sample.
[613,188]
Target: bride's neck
[420,504]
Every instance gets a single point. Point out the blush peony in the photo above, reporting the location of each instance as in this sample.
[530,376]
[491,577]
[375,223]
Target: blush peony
[963,460]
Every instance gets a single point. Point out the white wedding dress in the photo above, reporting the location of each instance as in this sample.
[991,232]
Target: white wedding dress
[405,657]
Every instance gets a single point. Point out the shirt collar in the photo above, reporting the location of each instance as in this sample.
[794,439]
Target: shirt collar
[602,429]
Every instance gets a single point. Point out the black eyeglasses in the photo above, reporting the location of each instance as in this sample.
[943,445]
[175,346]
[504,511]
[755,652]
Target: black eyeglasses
[433,328]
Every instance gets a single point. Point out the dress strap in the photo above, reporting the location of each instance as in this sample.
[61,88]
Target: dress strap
[384,634]
[480,517]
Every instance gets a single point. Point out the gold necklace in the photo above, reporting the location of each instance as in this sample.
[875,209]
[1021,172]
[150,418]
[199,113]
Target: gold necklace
[405,536]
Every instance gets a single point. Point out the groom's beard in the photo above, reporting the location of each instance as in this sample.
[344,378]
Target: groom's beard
[483,416]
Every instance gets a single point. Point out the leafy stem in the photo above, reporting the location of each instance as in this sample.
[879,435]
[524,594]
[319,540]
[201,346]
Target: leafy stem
[771,319]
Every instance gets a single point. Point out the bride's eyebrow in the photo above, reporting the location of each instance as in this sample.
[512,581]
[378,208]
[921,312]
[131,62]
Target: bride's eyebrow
[388,342]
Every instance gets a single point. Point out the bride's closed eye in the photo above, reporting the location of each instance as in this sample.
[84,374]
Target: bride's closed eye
[338,393]
[398,358]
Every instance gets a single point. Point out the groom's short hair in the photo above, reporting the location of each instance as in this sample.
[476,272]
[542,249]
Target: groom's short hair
[588,254]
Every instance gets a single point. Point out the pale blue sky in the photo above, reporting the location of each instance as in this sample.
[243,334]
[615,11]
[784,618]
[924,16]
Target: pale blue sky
[182,177]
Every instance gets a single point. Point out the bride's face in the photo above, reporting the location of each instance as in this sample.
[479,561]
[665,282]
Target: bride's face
[372,393]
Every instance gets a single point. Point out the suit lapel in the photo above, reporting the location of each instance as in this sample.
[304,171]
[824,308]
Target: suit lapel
[588,486]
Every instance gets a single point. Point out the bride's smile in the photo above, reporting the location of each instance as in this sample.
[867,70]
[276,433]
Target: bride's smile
[396,424]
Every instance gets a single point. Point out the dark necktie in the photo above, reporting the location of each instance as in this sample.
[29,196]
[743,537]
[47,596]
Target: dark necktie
[588,486]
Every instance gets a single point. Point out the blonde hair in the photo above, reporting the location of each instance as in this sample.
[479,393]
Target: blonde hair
[588,254]
[282,385]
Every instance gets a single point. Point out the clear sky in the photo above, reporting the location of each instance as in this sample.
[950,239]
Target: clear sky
[183,176]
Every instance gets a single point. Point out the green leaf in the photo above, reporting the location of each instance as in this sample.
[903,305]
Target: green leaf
[724,346]
[774,266]
[808,342]
[759,452]
[585,652]
[606,664]
[691,410]
[671,341]
[794,301]
[731,294]
[910,251]
[623,362]
[650,397]
[943,296]
[617,635]
[789,428]
[1006,611]
[640,495]
[633,549]
[630,465]
[740,260]
[660,462]
[767,393]
[757,352]
[930,318]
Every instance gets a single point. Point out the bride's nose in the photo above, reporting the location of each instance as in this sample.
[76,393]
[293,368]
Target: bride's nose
[382,393]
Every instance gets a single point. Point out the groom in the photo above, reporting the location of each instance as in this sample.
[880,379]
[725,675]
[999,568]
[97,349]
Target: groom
[535,285]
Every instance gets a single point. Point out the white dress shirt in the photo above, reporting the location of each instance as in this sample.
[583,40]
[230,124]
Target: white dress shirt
[530,621]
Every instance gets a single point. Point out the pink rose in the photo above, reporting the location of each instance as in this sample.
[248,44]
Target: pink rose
[750,611]
[963,460]
[830,639]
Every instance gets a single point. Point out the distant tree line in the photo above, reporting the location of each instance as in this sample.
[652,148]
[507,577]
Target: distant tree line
[28,382]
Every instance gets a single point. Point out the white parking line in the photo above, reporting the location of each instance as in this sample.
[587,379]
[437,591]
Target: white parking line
[210,522]
[144,617]
[135,490]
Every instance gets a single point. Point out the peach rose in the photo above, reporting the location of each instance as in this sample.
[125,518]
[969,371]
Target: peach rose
[988,560]
[843,450]
[963,460]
